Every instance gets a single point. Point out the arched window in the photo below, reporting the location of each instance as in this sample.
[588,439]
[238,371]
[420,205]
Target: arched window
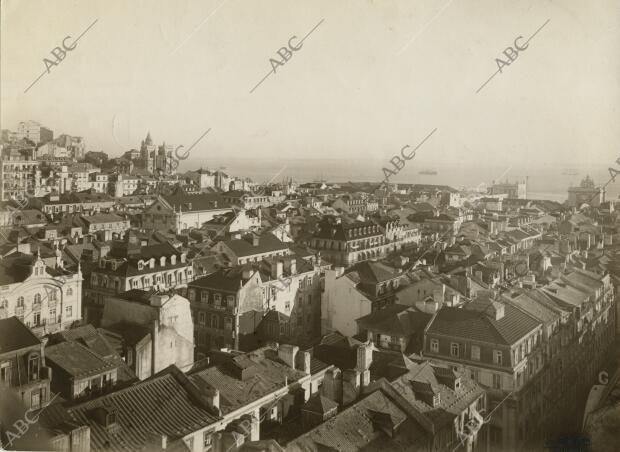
[20,302]
[37,298]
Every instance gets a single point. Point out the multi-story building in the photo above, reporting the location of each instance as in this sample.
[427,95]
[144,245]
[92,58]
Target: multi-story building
[357,205]
[356,292]
[76,147]
[123,185]
[108,222]
[346,243]
[86,201]
[500,345]
[79,372]
[203,178]
[403,414]
[98,182]
[155,330]
[40,292]
[179,211]
[20,176]
[22,364]
[292,290]
[134,263]
[227,306]
[34,132]
[537,352]
[80,175]
[250,248]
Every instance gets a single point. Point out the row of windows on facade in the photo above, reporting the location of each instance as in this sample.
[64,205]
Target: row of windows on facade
[217,299]
[52,295]
[213,321]
[6,370]
[135,283]
[36,317]
[455,351]
[518,354]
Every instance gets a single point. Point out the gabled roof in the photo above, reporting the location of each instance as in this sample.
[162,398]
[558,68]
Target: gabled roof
[395,320]
[357,429]
[225,279]
[320,404]
[178,414]
[268,375]
[77,360]
[267,243]
[475,325]
[373,272]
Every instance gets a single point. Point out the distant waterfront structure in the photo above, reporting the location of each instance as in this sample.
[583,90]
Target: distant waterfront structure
[586,193]
[513,190]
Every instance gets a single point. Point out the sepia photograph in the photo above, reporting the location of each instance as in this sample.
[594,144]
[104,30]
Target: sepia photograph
[309,225]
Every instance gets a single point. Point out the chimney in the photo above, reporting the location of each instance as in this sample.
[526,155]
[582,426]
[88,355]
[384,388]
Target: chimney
[302,362]
[332,385]
[213,398]
[164,442]
[277,267]
[287,353]
[293,266]
[364,360]
[154,343]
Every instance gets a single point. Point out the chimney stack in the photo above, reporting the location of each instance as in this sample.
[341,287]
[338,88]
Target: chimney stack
[288,353]
[277,268]
[213,398]
[154,343]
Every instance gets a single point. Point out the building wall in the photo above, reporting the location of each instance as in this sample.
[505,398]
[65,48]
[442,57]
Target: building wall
[342,303]
[49,303]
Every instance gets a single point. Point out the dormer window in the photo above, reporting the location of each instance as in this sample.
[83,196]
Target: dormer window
[173,259]
[152,262]
[162,261]
[140,265]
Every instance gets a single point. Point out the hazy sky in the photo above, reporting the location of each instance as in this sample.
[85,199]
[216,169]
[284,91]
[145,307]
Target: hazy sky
[373,77]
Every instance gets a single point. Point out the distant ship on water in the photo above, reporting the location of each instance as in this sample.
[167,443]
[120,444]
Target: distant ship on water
[428,172]
[570,172]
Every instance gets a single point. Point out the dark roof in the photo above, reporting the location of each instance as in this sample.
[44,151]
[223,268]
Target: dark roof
[178,413]
[357,429]
[225,279]
[268,375]
[328,229]
[77,360]
[396,320]
[320,404]
[266,243]
[475,325]
[374,272]
[14,335]
[426,378]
